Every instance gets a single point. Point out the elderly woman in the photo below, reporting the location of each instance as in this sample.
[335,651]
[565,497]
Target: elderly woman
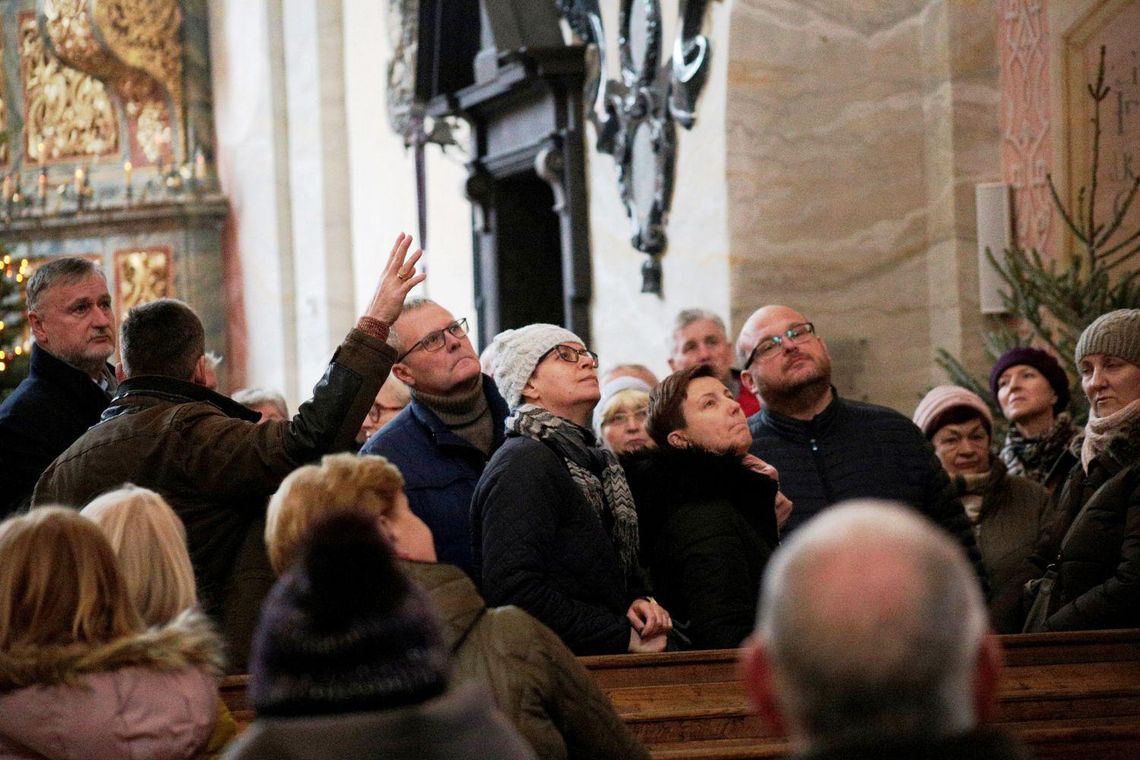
[554,522]
[1008,513]
[536,681]
[706,508]
[619,417]
[1033,392]
[80,675]
[1092,568]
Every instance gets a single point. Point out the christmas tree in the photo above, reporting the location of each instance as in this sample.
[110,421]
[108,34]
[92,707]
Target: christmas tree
[1053,303]
[15,344]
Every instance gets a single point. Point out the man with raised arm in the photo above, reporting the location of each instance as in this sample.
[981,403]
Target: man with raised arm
[204,452]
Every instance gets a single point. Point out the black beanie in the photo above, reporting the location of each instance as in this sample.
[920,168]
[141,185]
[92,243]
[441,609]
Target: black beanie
[344,631]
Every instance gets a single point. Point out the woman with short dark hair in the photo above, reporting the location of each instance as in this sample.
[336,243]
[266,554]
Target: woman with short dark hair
[707,509]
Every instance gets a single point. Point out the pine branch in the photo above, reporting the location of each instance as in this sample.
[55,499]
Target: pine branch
[1119,212]
[1068,220]
[1098,94]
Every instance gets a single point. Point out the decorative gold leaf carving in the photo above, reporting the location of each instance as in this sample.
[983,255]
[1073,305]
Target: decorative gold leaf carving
[67,111]
[5,151]
[142,276]
[145,34]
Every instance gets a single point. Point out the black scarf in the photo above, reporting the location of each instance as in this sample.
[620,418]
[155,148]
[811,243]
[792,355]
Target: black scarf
[595,471]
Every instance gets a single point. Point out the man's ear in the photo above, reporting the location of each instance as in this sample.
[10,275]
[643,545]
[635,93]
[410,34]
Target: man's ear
[199,377]
[747,381]
[37,326]
[987,677]
[755,671]
[400,370]
[672,364]
[677,440]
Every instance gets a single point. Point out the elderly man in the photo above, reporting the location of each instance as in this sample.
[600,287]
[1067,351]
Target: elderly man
[204,453]
[826,448]
[699,337]
[871,642]
[68,387]
[442,440]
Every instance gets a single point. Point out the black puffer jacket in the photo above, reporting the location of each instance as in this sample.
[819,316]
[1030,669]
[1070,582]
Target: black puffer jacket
[1098,568]
[708,526]
[539,545]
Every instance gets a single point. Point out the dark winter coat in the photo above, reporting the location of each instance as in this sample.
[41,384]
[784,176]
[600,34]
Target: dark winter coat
[707,526]
[50,408]
[1098,569]
[440,471]
[539,545]
[979,744]
[217,468]
[1014,513]
[537,682]
[461,723]
[854,450]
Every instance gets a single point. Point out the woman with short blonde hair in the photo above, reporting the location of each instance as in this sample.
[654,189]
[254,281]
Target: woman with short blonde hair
[367,484]
[150,542]
[79,675]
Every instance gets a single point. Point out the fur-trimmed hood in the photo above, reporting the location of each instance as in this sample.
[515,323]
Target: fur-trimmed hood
[188,641]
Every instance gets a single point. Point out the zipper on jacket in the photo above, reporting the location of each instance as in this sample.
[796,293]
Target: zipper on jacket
[821,471]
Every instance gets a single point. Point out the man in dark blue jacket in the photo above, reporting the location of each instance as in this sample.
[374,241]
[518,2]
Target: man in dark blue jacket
[828,449]
[442,440]
[69,382]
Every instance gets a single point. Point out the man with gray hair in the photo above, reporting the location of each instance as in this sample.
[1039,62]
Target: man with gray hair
[872,641]
[700,337]
[69,382]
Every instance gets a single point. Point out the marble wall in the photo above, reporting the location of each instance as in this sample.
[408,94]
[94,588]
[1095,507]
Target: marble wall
[856,132]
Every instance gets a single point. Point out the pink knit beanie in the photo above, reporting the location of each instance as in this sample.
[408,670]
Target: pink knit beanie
[944,398]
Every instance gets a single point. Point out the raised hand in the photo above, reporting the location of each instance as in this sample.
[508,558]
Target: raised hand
[396,281]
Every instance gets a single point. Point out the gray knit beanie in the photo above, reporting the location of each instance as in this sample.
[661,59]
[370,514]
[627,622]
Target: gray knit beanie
[517,353]
[1116,333]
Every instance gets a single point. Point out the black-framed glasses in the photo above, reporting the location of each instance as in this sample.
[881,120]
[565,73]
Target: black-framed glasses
[796,334]
[435,339]
[571,354]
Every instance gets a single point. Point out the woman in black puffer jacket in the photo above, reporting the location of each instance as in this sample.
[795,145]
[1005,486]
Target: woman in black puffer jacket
[1093,557]
[707,510]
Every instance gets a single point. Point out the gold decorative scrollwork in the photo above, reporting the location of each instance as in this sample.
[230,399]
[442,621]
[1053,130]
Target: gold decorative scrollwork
[145,34]
[66,111]
[5,151]
[142,276]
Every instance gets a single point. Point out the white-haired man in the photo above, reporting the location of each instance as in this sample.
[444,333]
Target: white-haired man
[700,337]
[872,641]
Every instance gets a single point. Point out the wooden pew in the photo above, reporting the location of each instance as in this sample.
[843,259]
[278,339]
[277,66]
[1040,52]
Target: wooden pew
[1065,694]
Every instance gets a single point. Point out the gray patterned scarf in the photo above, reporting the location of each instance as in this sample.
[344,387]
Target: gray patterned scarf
[1034,458]
[595,471]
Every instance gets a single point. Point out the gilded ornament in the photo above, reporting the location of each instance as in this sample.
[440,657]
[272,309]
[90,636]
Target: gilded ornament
[67,111]
[142,276]
[5,152]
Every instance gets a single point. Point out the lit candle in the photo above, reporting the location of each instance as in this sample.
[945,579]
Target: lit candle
[79,180]
[43,185]
[199,165]
[127,169]
[40,151]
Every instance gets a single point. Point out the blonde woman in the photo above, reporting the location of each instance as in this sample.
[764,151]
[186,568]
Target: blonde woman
[80,675]
[535,679]
[150,543]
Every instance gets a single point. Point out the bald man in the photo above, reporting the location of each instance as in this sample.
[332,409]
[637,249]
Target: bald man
[872,642]
[826,448]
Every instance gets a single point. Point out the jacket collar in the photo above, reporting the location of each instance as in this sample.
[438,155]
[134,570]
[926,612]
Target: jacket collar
[444,437]
[802,430]
[189,640]
[452,594]
[174,391]
[46,366]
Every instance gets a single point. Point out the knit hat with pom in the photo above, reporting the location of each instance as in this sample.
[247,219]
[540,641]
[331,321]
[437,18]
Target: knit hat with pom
[344,631]
[517,353]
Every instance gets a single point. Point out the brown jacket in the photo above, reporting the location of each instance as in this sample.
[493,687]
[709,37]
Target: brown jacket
[204,454]
[537,682]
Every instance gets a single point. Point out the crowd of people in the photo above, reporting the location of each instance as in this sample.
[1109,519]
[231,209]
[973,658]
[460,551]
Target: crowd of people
[410,562]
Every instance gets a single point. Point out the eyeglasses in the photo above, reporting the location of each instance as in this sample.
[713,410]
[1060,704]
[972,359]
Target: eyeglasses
[435,339]
[796,334]
[571,354]
[622,418]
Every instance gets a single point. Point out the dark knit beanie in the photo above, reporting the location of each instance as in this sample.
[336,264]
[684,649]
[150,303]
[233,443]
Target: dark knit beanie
[1116,333]
[344,631]
[1043,362]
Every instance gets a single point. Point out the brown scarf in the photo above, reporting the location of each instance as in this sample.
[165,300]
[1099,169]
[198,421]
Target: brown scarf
[1101,430]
